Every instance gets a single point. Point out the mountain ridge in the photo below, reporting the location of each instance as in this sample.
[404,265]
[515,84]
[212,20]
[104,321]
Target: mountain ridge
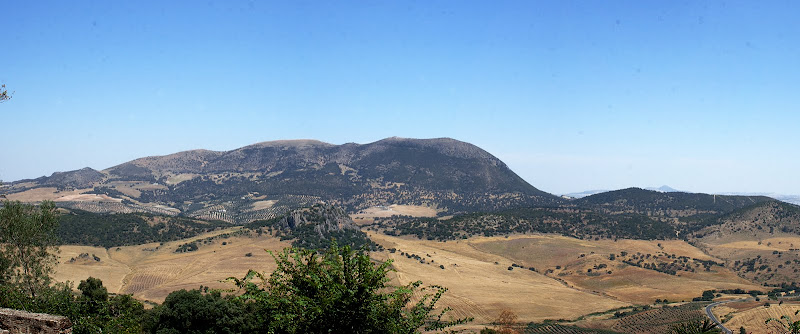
[265,179]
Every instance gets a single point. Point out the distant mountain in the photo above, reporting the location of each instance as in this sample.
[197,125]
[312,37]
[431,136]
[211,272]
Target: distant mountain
[664,189]
[584,193]
[668,204]
[793,199]
[267,179]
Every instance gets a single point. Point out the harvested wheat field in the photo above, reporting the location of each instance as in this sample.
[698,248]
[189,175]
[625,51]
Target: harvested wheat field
[753,320]
[746,245]
[152,271]
[369,215]
[481,285]
[484,275]
[587,265]
[110,271]
[42,194]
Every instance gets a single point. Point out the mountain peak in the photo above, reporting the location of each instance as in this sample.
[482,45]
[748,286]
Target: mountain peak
[266,179]
[290,143]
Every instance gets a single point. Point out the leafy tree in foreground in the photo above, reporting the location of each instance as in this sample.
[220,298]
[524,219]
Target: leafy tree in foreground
[93,293]
[27,233]
[195,312]
[4,95]
[340,291]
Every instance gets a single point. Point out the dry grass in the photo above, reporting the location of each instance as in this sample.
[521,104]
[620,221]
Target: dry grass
[747,244]
[87,198]
[753,319]
[262,205]
[475,271]
[53,194]
[175,179]
[41,194]
[626,283]
[481,288]
[367,216]
[112,272]
[152,271]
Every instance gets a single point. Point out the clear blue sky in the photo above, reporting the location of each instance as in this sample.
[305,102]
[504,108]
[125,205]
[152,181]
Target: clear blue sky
[699,95]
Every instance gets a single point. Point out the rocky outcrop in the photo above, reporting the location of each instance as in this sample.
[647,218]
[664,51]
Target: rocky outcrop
[324,219]
[21,322]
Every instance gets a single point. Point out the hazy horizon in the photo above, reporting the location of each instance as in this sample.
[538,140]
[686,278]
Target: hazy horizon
[572,96]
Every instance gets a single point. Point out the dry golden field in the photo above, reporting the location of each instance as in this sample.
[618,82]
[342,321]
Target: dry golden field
[753,319]
[42,194]
[476,272]
[569,259]
[482,289]
[152,271]
[367,216]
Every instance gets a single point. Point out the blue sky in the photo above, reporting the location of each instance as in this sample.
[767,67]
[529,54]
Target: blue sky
[572,95]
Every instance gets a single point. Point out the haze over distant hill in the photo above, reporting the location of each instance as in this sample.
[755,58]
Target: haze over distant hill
[263,180]
[794,199]
[582,194]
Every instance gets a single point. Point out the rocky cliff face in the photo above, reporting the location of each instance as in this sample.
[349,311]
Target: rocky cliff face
[15,321]
[322,219]
[315,227]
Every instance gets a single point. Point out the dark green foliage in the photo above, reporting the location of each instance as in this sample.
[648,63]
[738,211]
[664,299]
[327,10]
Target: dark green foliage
[93,293]
[570,222]
[779,215]
[119,314]
[187,247]
[82,178]
[340,291]
[121,229]
[663,204]
[132,172]
[306,237]
[708,295]
[27,243]
[106,191]
[316,227]
[196,312]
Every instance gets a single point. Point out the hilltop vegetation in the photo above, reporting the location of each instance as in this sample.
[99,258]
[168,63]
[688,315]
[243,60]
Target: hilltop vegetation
[80,227]
[667,204]
[315,227]
[579,223]
[630,213]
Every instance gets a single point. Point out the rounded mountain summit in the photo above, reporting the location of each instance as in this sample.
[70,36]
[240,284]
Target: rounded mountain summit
[446,174]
